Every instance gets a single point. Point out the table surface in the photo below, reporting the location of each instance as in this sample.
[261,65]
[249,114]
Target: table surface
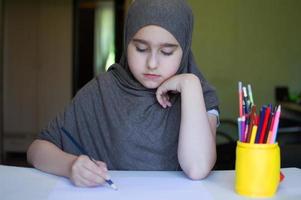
[27,183]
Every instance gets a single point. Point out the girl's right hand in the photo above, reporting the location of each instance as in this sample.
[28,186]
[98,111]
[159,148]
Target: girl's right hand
[85,173]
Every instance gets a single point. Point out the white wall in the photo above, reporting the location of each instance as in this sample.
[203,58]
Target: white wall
[37,63]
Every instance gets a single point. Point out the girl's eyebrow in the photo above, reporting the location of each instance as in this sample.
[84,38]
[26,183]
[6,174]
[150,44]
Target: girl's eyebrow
[147,43]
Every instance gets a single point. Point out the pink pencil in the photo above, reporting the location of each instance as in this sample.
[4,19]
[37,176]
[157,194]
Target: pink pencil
[240,98]
[271,129]
[275,125]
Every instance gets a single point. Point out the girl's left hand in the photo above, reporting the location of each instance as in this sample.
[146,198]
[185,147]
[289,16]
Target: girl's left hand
[174,84]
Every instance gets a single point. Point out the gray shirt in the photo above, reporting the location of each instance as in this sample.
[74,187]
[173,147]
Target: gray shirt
[131,140]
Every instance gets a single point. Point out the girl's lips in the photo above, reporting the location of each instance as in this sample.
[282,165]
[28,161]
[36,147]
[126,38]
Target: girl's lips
[151,76]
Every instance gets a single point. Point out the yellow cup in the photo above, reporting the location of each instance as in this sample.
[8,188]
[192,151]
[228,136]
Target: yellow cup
[257,169]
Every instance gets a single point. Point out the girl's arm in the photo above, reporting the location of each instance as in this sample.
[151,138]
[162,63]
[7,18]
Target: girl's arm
[81,170]
[49,158]
[197,147]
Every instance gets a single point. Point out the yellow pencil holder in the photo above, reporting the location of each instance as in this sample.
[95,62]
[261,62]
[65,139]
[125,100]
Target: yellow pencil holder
[257,169]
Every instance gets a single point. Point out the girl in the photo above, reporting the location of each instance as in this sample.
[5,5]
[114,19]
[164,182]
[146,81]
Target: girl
[152,111]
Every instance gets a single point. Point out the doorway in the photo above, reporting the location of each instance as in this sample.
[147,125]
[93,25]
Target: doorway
[1,81]
[97,38]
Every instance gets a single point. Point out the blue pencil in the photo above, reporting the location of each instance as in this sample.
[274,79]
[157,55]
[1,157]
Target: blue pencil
[83,151]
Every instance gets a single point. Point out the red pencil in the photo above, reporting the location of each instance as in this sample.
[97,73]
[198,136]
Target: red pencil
[252,122]
[265,122]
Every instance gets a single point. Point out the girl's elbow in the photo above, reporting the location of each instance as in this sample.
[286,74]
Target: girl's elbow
[198,173]
[32,151]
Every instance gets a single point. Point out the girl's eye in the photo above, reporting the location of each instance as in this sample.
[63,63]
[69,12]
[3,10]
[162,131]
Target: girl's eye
[165,53]
[141,49]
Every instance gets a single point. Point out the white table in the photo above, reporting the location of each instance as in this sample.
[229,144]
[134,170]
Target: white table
[17,183]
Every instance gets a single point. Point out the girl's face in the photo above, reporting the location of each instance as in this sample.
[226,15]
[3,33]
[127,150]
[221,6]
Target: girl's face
[154,55]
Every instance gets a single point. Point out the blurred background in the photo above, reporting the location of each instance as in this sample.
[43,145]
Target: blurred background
[50,48]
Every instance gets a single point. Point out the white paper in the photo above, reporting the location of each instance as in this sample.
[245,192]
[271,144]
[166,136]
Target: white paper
[144,186]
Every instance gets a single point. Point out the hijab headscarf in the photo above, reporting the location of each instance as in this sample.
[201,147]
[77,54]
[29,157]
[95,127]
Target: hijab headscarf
[176,17]
[116,118]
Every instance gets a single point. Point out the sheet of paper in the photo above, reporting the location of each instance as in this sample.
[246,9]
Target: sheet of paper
[144,185]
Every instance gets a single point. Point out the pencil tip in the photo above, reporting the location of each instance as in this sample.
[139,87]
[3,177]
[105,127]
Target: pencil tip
[114,187]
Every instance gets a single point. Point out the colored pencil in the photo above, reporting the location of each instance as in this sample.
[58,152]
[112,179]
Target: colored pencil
[250,94]
[265,123]
[260,124]
[275,126]
[253,134]
[240,98]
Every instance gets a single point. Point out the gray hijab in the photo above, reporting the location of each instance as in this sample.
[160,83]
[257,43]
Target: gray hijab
[118,120]
[176,17]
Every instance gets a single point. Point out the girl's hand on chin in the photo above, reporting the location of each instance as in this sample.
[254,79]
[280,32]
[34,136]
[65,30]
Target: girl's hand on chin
[176,84]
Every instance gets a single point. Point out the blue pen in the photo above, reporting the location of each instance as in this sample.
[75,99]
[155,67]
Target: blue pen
[83,151]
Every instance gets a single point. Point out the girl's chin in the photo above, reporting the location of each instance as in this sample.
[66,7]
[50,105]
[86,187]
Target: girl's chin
[150,85]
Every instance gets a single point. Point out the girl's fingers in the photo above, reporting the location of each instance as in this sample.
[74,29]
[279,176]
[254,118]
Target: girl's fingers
[163,99]
[84,182]
[102,165]
[168,103]
[80,181]
[88,173]
[162,96]
[166,100]
[97,168]
[91,178]
[159,98]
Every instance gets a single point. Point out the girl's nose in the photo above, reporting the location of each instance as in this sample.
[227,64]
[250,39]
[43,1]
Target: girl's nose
[152,62]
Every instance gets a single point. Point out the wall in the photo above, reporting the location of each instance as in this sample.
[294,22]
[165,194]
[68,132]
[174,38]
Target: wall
[255,41]
[37,64]
[255,38]
[1,79]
